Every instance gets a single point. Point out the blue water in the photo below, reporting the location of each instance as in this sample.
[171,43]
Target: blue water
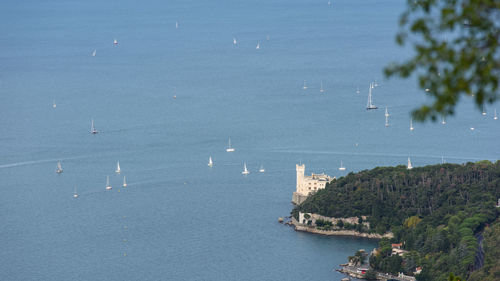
[179,219]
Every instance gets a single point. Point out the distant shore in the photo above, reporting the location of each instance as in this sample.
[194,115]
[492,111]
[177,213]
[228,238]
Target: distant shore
[300,227]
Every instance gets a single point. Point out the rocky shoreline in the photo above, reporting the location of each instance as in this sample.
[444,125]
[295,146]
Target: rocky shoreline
[311,229]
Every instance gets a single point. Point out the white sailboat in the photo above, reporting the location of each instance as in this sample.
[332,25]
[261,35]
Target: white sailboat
[495,116]
[115,42]
[108,186]
[245,170]
[92,128]
[54,105]
[357,90]
[234,41]
[411,124]
[75,195]
[118,170]
[386,117]
[176,24]
[262,170]
[369,104]
[258,45]
[321,90]
[229,147]
[409,166]
[59,168]
[124,182]
[442,120]
[94,52]
[305,86]
[341,168]
[484,111]
[210,162]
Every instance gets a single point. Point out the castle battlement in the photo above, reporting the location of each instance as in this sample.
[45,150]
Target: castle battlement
[308,184]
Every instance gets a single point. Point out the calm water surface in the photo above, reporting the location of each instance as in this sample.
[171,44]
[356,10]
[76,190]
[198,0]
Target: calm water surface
[179,219]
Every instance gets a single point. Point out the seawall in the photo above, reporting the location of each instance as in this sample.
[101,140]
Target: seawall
[311,229]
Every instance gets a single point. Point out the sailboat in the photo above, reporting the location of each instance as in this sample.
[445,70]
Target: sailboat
[443,121]
[92,128]
[94,52]
[484,112]
[54,105]
[176,24]
[234,41]
[357,90]
[108,186]
[245,170]
[495,117]
[115,42]
[386,117]
[305,86]
[369,104]
[75,195]
[210,162]
[321,90]
[124,182]
[118,170]
[341,168]
[411,124]
[59,168]
[258,45]
[409,166]
[229,148]
[262,170]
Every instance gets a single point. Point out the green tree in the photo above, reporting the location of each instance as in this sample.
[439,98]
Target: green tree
[456,52]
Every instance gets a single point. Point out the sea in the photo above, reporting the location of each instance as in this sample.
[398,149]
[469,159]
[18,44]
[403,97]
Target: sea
[168,96]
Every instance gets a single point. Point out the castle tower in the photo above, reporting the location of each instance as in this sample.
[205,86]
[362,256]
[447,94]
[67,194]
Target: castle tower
[301,169]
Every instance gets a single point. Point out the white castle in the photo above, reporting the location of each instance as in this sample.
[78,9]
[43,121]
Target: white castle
[308,184]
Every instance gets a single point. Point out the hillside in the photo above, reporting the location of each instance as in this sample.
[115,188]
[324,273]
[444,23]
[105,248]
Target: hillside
[437,212]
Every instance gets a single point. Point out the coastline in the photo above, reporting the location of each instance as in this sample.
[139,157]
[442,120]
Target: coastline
[300,227]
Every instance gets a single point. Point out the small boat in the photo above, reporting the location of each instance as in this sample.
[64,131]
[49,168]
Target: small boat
[305,86]
[495,116]
[210,162]
[94,52]
[262,170]
[472,128]
[75,195]
[115,42]
[484,112]
[258,45]
[118,170]
[443,121]
[59,168]
[229,147]
[124,182]
[357,90]
[176,24]
[369,104]
[54,105]
[234,41]
[386,117]
[108,186]
[341,168]
[245,170]
[92,128]
[409,166]
[411,124]
[321,90]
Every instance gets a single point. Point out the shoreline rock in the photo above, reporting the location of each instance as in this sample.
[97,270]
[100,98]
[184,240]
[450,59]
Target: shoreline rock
[314,230]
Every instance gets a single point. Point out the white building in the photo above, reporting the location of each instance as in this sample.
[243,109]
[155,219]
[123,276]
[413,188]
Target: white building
[308,184]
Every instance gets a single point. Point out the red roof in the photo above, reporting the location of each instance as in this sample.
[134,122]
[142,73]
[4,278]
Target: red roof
[397,245]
